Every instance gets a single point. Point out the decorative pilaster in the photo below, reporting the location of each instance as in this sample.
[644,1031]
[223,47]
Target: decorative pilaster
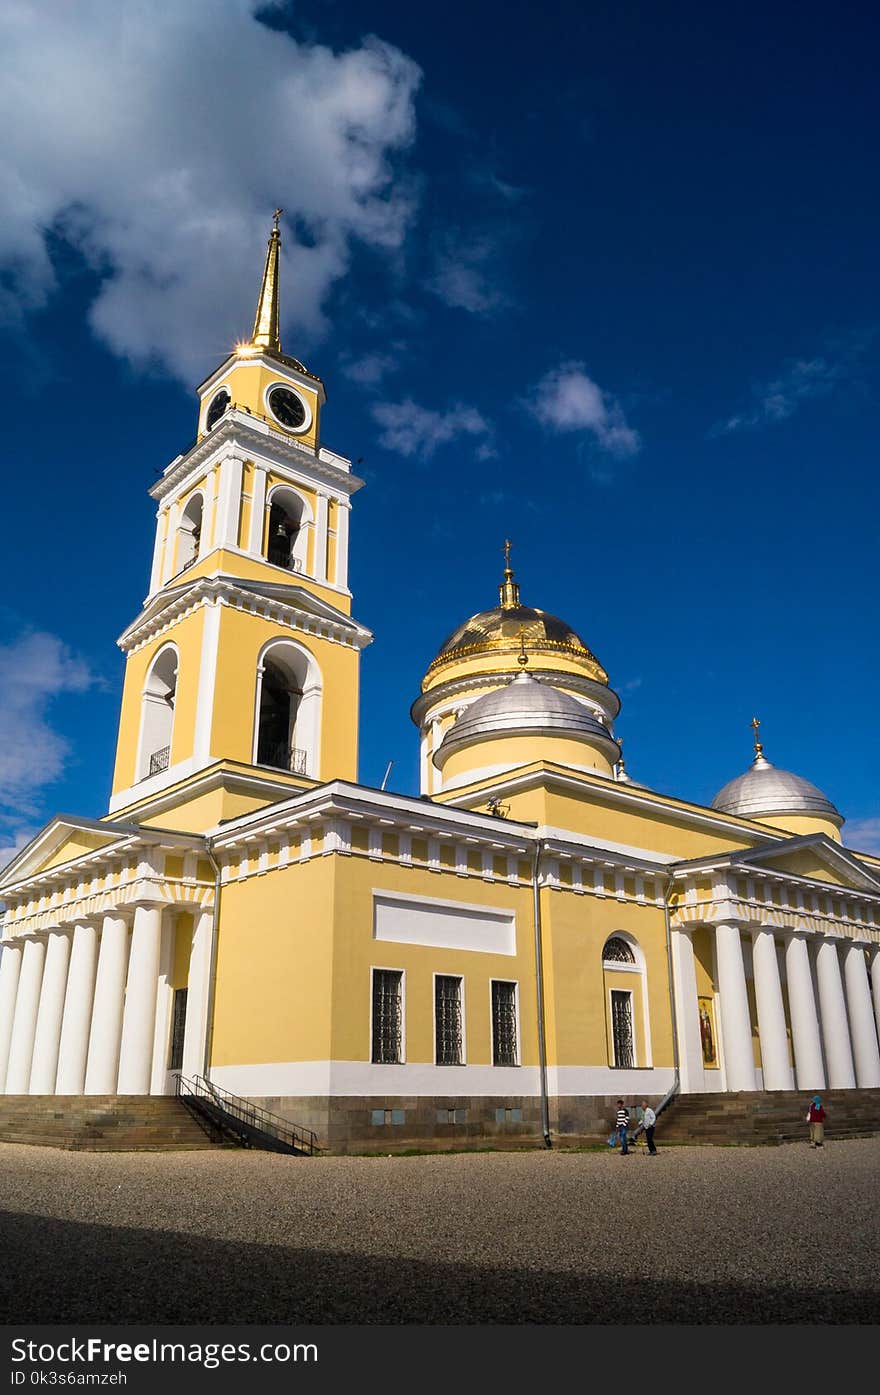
[258,511]
[136,1048]
[24,1026]
[861,1017]
[198,988]
[77,1017]
[102,1068]
[736,1023]
[775,1061]
[686,1011]
[320,566]
[806,1040]
[832,1005]
[47,1037]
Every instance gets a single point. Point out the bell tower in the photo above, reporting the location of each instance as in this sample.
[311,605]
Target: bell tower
[241,680]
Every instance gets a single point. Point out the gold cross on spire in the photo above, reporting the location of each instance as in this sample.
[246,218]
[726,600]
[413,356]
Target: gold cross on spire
[276,218]
[758,747]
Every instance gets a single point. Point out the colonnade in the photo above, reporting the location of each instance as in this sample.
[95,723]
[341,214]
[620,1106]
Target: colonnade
[85,1008]
[834,1036]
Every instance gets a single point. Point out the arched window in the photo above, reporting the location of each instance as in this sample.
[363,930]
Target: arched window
[286,543]
[288,709]
[626,1003]
[189,533]
[157,714]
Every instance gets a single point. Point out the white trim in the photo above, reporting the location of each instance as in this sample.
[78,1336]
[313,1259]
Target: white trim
[443,925]
[307,721]
[207,684]
[229,499]
[343,510]
[257,525]
[363,1080]
[321,537]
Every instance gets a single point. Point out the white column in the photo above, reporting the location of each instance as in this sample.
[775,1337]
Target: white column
[207,682]
[102,1067]
[804,1015]
[10,969]
[320,572]
[77,1018]
[775,1060]
[229,501]
[169,542]
[136,1050]
[24,1025]
[861,1017]
[47,1037]
[198,988]
[156,573]
[835,1031]
[164,1002]
[690,1049]
[258,511]
[342,516]
[875,989]
[736,1022]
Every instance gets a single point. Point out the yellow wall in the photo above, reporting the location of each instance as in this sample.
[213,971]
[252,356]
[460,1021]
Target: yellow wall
[802,824]
[513,751]
[74,846]
[247,381]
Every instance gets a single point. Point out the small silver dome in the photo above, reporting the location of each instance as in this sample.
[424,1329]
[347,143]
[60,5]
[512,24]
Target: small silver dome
[526,706]
[764,790]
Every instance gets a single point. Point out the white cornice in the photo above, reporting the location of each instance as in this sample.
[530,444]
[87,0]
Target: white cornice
[289,605]
[443,693]
[253,439]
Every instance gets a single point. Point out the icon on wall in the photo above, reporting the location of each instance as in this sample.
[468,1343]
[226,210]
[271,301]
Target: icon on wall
[707,1032]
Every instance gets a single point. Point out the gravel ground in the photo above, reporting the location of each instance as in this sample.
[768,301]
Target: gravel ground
[695,1235]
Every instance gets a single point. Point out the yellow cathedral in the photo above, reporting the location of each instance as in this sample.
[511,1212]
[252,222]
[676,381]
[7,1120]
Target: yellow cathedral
[498,959]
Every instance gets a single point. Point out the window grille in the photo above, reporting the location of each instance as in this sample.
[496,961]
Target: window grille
[504,1024]
[447,1017]
[617,951]
[622,1029]
[387,1016]
[178,1027]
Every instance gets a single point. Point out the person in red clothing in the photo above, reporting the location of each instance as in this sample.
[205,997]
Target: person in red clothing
[816,1121]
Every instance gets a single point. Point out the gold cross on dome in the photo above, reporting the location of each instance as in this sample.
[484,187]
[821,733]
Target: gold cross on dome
[506,550]
[756,724]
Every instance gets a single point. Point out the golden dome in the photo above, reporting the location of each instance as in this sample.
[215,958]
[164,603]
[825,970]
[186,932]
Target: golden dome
[512,627]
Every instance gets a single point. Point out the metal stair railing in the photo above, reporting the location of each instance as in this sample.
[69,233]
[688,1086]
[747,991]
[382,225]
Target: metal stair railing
[249,1122]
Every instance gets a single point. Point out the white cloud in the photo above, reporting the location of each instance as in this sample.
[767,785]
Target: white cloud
[158,138]
[801,380]
[463,271]
[37,669]
[410,429]
[863,835]
[370,369]
[567,399]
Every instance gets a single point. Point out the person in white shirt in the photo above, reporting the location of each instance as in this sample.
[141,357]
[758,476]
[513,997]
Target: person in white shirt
[650,1120]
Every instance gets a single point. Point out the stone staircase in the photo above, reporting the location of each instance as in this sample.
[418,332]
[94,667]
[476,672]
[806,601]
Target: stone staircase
[102,1123]
[777,1116]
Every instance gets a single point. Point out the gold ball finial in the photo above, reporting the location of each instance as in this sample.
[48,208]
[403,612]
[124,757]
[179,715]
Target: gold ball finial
[755,724]
[522,657]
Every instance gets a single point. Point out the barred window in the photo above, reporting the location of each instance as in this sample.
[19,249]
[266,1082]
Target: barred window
[178,1027]
[622,1028]
[504,1024]
[387,1016]
[447,1020]
[617,951]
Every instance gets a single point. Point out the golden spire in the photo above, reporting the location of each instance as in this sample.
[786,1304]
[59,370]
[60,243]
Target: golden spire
[509,590]
[759,749]
[266,335]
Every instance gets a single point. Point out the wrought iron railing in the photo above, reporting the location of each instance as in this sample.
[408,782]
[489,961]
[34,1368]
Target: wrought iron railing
[159,760]
[253,1126]
[284,757]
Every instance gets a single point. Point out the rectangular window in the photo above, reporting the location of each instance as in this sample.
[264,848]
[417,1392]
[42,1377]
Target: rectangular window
[387,1016]
[503,1023]
[622,1028]
[178,1027]
[448,1020]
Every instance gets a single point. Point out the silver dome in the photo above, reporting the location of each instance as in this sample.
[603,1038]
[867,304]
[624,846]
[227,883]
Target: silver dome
[526,706]
[764,790]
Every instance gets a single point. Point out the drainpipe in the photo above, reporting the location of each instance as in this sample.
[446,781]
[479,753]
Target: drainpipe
[212,970]
[676,1082]
[539,981]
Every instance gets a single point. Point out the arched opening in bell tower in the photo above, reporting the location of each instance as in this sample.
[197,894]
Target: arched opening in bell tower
[288,709]
[189,533]
[286,542]
[157,714]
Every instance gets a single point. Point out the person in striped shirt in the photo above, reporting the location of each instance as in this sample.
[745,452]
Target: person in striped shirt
[622,1126]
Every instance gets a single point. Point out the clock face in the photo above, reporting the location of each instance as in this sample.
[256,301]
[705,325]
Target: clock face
[287,407]
[218,406]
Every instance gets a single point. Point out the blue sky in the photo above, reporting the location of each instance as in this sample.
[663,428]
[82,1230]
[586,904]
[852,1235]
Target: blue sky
[600,278]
